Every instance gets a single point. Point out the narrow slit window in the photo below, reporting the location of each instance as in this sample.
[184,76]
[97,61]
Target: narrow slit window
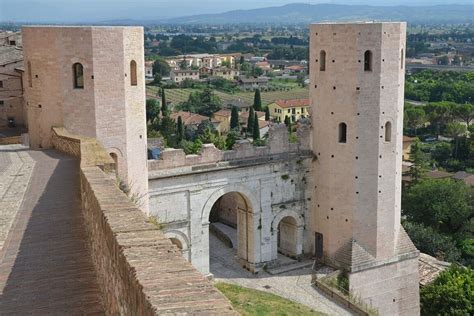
[342,133]
[133,73]
[402,57]
[322,60]
[388,132]
[368,60]
[78,71]
[30,76]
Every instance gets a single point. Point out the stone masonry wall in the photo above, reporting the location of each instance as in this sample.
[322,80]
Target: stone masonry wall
[140,271]
[277,143]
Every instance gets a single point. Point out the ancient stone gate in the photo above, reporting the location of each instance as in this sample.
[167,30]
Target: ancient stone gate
[259,190]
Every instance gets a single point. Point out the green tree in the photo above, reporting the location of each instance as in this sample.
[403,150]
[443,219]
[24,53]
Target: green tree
[419,160]
[445,205]
[451,293]
[164,106]
[250,120]
[414,117]
[234,118]
[231,139]
[204,102]
[180,130]
[287,120]
[152,109]
[439,114]
[257,71]
[267,114]
[257,101]
[256,128]
[429,241]
[465,112]
[161,67]
[455,130]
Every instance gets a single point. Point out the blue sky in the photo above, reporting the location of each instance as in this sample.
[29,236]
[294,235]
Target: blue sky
[100,10]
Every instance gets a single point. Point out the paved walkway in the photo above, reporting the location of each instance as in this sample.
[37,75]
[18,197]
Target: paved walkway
[293,285]
[45,265]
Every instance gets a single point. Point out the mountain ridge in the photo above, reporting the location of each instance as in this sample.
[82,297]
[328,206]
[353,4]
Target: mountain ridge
[295,13]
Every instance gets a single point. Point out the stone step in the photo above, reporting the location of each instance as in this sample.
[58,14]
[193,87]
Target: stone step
[290,267]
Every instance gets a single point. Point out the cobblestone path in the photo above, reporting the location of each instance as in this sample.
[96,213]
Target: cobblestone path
[45,265]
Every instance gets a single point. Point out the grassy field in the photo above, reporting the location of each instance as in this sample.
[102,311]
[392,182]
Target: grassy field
[253,302]
[181,95]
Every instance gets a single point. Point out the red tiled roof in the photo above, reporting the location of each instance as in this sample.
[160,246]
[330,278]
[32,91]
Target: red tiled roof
[226,113]
[188,117]
[292,103]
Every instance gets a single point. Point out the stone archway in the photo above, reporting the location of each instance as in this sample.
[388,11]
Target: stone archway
[180,240]
[234,208]
[287,234]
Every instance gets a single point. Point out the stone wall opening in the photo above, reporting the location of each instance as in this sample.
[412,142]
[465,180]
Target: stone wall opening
[229,226]
[288,237]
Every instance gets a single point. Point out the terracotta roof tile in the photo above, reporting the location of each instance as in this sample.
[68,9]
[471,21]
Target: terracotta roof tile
[292,103]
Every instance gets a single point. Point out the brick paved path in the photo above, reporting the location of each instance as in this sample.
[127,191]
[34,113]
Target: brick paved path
[45,266]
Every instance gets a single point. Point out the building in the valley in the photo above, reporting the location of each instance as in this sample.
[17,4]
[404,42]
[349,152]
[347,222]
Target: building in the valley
[180,75]
[224,72]
[94,88]
[357,97]
[252,83]
[240,104]
[188,118]
[407,141]
[294,109]
[12,107]
[149,69]
[222,121]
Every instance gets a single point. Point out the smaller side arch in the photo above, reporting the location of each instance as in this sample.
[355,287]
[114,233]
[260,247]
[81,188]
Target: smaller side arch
[179,239]
[368,60]
[133,73]
[287,213]
[322,60]
[293,242]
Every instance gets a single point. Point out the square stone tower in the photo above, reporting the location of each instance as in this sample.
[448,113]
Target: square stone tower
[91,81]
[357,96]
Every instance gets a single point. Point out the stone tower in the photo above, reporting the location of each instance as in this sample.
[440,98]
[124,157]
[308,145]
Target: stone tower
[357,96]
[91,81]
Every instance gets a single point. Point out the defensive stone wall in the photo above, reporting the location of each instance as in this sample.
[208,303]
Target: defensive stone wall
[277,143]
[140,271]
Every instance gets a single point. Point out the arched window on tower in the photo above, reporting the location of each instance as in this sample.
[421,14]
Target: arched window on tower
[388,131]
[133,73]
[342,132]
[368,60]
[322,60]
[402,57]
[30,76]
[78,72]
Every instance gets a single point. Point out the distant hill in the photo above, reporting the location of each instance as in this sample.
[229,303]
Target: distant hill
[306,13]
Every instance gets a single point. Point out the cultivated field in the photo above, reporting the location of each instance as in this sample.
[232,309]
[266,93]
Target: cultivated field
[181,95]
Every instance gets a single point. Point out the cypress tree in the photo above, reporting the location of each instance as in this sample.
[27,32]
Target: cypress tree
[250,121]
[256,128]
[180,130]
[257,101]
[267,114]
[234,118]
[287,120]
[164,107]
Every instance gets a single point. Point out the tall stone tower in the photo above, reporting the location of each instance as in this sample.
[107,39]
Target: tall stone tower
[357,96]
[91,81]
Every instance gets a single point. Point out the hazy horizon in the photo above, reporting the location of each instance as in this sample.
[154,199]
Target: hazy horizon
[73,11]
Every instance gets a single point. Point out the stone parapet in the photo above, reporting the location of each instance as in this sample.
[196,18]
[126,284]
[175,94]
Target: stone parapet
[140,271]
[277,143]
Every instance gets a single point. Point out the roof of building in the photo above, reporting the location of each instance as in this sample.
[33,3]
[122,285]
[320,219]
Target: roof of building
[466,177]
[239,103]
[293,103]
[189,118]
[185,71]
[429,268]
[10,54]
[224,113]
